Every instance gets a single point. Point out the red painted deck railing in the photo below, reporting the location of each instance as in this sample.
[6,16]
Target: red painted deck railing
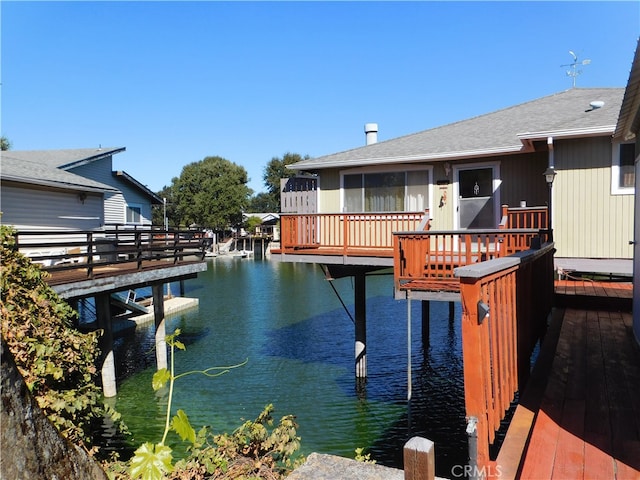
[347,233]
[525,217]
[422,260]
[505,305]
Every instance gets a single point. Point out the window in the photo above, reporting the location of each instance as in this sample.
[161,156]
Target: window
[386,191]
[623,175]
[134,214]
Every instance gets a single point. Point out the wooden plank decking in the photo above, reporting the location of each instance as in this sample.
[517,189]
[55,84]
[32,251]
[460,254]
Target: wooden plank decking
[579,417]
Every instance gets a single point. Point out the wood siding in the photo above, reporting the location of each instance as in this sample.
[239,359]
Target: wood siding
[32,208]
[589,221]
[522,179]
[115,203]
[329,191]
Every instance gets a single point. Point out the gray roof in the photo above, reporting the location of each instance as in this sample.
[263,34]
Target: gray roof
[629,120]
[47,168]
[507,131]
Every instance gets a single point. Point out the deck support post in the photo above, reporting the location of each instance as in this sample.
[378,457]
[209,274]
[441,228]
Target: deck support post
[426,322]
[409,355]
[361,325]
[108,368]
[161,333]
[452,312]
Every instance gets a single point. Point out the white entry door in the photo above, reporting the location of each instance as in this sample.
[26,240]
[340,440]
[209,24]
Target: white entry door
[477,203]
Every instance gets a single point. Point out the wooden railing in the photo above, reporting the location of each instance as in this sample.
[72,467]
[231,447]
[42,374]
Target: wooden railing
[347,233]
[57,251]
[505,305]
[424,259]
[524,217]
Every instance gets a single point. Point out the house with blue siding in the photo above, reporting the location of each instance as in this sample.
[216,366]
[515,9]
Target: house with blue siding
[75,189]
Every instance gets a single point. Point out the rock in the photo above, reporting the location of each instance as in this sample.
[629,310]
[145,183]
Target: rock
[31,446]
[330,467]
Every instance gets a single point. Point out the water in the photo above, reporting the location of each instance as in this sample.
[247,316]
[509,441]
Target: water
[299,342]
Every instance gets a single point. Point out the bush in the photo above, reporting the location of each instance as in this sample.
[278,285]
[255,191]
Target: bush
[57,362]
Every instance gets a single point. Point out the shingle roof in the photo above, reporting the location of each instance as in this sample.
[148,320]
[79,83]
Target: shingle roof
[47,167]
[629,120]
[565,114]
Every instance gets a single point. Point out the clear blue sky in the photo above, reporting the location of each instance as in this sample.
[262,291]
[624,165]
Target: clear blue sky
[174,82]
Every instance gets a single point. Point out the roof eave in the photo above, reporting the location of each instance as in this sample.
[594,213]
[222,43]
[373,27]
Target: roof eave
[599,131]
[434,157]
[53,184]
[129,179]
[93,158]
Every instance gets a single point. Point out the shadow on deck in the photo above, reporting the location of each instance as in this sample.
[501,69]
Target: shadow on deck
[579,416]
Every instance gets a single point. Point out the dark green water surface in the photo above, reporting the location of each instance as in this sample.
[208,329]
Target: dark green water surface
[299,342]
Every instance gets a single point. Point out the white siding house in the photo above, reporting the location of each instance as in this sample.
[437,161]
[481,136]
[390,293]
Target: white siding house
[70,189]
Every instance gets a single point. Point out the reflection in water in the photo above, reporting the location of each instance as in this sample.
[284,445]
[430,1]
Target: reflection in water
[299,341]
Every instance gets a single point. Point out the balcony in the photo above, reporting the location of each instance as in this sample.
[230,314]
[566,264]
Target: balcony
[368,238]
[346,234]
[81,263]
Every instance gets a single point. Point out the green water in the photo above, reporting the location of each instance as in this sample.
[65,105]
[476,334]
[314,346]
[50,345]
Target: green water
[299,342]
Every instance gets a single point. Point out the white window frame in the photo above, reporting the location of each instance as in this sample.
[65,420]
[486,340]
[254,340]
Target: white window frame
[128,207]
[387,169]
[616,189]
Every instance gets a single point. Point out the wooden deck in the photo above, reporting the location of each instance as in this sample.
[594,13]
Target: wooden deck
[579,416]
[594,295]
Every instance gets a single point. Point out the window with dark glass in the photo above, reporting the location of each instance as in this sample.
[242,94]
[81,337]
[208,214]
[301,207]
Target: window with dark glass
[627,170]
[133,214]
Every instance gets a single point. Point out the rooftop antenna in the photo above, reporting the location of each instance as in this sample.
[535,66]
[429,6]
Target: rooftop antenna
[574,72]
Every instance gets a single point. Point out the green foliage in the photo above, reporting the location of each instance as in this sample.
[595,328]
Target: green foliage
[157,214]
[211,193]
[264,202]
[252,451]
[151,462]
[57,362]
[251,224]
[277,169]
[363,457]
[5,143]
[273,172]
[256,450]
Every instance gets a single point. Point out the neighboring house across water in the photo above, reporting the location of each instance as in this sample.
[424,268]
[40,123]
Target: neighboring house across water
[74,189]
[628,130]
[462,174]
[268,224]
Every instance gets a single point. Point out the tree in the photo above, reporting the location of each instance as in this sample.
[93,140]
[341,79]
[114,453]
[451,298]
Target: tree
[173,219]
[277,169]
[263,202]
[211,193]
[5,144]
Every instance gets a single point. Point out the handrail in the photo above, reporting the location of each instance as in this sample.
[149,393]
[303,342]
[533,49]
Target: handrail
[347,233]
[62,250]
[505,305]
[525,217]
[434,255]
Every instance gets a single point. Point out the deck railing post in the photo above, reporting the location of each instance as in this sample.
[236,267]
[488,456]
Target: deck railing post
[474,336]
[419,459]
[90,254]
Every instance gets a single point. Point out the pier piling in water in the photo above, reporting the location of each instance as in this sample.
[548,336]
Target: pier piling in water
[361,325]
[108,368]
[158,315]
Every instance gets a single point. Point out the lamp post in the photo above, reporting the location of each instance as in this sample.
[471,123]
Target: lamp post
[549,176]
